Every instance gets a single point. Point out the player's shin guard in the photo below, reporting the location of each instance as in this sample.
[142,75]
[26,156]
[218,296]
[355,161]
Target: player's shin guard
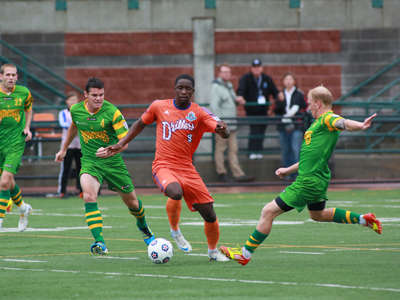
[212,233]
[139,214]
[174,211]
[255,240]
[343,216]
[94,221]
[4,198]
[17,199]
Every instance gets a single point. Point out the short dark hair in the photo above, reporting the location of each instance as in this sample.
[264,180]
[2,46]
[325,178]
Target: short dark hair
[289,74]
[184,76]
[94,82]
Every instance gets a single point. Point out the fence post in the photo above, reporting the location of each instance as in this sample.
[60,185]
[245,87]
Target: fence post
[24,66]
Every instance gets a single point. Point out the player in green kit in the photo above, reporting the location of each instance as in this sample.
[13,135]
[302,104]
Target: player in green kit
[100,124]
[311,185]
[15,119]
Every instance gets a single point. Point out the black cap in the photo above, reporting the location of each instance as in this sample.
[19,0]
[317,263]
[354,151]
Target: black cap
[256,63]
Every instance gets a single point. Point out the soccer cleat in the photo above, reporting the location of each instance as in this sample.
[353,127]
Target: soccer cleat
[217,256]
[99,248]
[9,206]
[182,243]
[235,254]
[23,220]
[147,234]
[373,222]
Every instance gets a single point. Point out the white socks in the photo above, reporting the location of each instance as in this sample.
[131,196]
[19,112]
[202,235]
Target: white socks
[210,251]
[175,233]
[1,222]
[246,253]
[362,220]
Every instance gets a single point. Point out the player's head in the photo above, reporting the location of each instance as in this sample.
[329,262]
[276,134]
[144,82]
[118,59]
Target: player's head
[94,92]
[319,100]
[289,80]
[8,76]
[256,67]
[72,98]
[184,89]
[224,71]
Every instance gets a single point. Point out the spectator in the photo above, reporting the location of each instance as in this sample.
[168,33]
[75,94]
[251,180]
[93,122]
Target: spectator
[256,87]
[223,104]
[290,135]
[73,152]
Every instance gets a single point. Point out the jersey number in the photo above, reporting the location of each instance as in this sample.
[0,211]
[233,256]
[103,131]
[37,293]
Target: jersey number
[307,137]
[102,123]
[18,102]
[190,137]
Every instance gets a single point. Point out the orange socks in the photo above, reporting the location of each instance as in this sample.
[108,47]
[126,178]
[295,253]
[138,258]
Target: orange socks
[174,211]
[212,233]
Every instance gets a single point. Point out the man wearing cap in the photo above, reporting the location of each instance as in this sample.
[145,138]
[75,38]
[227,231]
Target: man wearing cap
[256,87]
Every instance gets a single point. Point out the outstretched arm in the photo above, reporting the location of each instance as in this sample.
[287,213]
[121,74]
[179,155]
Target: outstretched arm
[351,125]
[135,129]
[72,131]
[282,172]
[222,129]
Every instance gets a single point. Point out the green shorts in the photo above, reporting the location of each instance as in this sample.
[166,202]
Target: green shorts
[305,190]
[114,172]
[10,157]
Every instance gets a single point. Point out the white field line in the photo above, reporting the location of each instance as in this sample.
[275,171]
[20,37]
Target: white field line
[194,254]
[24,260]
[244,223]
[29,229]
[330,285]
[112,257]
[300,252]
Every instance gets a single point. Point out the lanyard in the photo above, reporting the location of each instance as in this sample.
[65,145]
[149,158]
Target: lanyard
[258,82]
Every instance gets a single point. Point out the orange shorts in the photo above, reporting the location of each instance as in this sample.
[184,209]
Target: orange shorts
[193,187]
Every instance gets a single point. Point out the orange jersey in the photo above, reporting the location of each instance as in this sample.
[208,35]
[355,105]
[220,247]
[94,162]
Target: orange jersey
[179,132]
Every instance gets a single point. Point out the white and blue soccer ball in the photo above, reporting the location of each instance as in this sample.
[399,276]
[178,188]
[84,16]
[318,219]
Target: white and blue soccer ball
[160,251]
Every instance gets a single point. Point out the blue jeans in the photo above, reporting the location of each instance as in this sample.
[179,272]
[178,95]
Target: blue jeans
[290,148]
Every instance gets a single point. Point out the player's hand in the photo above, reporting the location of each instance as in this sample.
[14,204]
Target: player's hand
[221,127]
[282,172]
[60,156]
[103,153]
[281,96]
[367,122]
[113,149]
[28,134]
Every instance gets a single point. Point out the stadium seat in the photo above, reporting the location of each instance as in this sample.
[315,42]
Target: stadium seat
[44,132]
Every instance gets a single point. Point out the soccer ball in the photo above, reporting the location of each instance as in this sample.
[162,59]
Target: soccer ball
[160,251]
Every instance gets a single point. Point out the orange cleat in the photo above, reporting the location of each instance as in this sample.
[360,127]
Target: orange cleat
[235,254]
[373,222]
[81,195]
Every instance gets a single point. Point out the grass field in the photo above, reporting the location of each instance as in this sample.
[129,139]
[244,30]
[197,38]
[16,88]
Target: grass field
[301,259]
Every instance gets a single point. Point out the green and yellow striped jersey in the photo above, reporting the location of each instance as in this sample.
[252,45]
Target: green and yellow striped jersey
[318,144]
[101,129]
[12,114]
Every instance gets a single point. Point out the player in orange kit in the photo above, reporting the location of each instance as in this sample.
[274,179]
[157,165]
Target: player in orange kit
[180,127]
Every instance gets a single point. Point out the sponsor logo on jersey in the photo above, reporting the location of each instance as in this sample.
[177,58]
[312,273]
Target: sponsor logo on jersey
[126,125]
[125,187]
[10,113]
[9,166]
[80,123]
[166,112]
[335,116]
[89,135]
[169,128]
[191,117]
[91,119]
[8,98]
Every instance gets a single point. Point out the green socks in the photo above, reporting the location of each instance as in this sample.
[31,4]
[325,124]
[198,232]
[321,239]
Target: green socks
[16,196]
[255,240]
[4,198]
[343,216]
[139,214]
[94,221]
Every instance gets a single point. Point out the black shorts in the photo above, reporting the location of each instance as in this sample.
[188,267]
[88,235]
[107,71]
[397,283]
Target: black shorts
[312,207]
